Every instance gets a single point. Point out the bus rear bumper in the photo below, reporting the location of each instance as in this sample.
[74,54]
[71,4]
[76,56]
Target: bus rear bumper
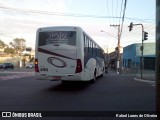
[59,77]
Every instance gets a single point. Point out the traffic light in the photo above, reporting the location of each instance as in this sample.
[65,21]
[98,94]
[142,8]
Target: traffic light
[145,35]
[131,26]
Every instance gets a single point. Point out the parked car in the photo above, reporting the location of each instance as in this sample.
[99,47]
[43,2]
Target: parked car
[8,65]
[30,66]
[1,66]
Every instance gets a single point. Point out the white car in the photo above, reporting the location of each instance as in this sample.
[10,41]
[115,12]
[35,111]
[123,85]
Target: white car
[30,66]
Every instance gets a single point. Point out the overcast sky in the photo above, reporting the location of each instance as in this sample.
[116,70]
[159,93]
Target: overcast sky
[21,18]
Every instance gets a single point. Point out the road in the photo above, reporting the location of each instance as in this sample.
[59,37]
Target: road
[110,93]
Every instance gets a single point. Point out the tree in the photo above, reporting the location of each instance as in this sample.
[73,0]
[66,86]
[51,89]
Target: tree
[2,44]
[18,44]
[9,50]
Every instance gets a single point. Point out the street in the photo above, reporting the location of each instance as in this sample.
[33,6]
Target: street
[110,93]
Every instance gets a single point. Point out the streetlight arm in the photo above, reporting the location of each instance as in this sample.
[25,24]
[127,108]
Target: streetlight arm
[108,34]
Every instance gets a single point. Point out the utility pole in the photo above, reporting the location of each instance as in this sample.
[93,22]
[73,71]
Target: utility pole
[118,51]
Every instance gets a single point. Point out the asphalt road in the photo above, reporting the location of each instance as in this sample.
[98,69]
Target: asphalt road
[110,93]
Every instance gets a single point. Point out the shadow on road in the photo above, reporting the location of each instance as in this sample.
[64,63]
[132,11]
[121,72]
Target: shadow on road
[70,86]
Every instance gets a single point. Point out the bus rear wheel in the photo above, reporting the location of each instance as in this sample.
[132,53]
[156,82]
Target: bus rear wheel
[94,77]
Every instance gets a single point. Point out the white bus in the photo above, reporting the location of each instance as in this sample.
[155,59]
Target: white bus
[67,53]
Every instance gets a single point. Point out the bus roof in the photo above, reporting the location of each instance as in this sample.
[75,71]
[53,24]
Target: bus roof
[51,27]
[59,27]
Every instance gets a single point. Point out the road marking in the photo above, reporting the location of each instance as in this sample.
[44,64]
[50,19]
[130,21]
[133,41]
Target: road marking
[9,77]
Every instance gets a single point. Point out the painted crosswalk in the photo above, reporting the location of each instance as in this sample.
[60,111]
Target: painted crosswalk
[15,76]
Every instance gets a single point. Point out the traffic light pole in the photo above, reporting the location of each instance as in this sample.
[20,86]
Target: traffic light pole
[142,62]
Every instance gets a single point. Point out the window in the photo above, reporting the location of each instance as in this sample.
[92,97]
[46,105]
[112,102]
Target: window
[94,49]
[57,37]
[85,44]
[91,47]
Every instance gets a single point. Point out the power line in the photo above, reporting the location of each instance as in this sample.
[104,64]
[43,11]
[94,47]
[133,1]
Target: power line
[108,11]
[141,20]
[123,17]
[112,11]
[54,13]
[121,11]
[72,15]
[116,10]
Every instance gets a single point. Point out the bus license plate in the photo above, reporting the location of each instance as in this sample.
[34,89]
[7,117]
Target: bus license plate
[56,78]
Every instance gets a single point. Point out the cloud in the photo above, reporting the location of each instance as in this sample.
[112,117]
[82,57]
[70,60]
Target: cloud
[43,5]
[17,23]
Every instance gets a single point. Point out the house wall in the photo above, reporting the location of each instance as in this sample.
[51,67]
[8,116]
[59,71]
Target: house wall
[132,55]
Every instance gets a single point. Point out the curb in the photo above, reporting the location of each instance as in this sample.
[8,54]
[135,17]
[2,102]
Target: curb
[142,80]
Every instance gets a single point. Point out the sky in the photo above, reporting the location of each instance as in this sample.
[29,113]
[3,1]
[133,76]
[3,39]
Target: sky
[21,19]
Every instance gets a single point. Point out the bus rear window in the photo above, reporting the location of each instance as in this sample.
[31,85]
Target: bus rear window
[57,38]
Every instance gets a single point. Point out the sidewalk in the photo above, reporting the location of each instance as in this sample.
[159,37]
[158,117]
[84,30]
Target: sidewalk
[148,76]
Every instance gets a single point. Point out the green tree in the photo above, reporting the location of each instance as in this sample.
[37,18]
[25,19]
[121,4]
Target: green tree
[2,44]
[18,44]
[9,50]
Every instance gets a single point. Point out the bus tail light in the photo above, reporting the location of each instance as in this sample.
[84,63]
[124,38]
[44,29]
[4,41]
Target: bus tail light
[79,66]
[36,65]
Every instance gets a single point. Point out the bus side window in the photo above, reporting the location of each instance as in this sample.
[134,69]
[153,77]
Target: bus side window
[98,52]
[94,49]
[84,39]
[90,46]
[87,45]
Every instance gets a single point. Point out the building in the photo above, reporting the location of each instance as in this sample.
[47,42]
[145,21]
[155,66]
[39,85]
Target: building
[113,57]
[132,56]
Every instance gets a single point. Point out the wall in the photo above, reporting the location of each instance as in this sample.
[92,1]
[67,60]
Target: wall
[132,55]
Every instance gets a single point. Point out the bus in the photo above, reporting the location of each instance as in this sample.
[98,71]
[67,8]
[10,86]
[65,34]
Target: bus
[67,53]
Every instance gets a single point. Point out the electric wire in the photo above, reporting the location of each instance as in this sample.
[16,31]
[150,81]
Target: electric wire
[116,10]
[112,11]
[123,18]
[148,20]
[121,11]
[27,11]
[108,11]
